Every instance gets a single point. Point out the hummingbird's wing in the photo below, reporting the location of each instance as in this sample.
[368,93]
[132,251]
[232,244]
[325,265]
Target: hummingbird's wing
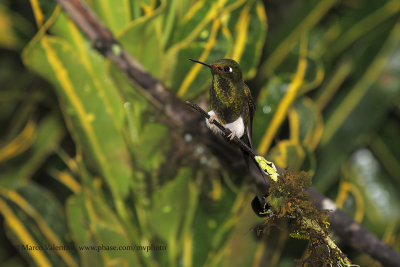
[252,109]
[256,172]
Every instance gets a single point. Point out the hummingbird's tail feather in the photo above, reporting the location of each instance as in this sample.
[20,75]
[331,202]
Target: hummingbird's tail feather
[255,171]
[259,182]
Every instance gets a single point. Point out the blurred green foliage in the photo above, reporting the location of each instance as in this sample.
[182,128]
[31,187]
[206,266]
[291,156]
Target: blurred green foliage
[85,159]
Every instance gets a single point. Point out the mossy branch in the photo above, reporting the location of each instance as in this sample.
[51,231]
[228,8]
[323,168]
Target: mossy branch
[287,199]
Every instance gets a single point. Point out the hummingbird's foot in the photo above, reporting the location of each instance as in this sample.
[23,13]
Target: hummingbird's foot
[212,118]
[231,136]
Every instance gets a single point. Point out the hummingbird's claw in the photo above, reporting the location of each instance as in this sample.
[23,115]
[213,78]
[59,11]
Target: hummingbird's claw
[212,118]
[231,136]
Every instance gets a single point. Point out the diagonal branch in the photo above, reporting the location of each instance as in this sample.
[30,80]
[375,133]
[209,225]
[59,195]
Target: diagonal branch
[176,111]
[104,41]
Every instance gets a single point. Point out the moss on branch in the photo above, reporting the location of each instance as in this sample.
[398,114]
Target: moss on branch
[287,199]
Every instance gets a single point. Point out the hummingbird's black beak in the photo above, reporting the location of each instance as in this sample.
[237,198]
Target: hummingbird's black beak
[205,64]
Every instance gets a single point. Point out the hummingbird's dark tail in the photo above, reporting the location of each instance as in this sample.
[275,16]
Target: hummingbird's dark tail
[259,181]
[255,171]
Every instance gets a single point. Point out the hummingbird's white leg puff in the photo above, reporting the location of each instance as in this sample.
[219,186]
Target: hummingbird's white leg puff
[236,127]
[213,116]
[209,123]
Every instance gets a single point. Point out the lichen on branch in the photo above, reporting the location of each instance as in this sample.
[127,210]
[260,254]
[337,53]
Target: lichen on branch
[288,201]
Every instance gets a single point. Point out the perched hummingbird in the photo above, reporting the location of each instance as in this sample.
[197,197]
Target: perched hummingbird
[232,105]
[231,102]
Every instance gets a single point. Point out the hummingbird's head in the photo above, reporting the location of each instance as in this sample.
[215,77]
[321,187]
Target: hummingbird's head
[225,68]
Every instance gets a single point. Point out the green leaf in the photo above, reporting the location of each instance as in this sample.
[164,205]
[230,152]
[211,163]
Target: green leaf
[288,154]
[95,65]
[49,134]
[94,128]
[11,25]
[386,148]
[143,40]
[42,10]
[170,206]
[267,105]
[278,48]
[242,249]
[357,22]
[353,114]
[248,26]
[314,74]
[198,16]
[42,219]
[305,123]
[240,35]
[82,234]
[151,148]
[213,224]
[114,14]
[305,127]
[96,226]
[377,192]
[185,77]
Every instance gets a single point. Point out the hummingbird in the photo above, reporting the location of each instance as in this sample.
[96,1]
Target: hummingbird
[230,99]
[232,105]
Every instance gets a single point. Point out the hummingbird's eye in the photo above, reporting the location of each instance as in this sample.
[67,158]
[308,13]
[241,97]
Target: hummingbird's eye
[227,69]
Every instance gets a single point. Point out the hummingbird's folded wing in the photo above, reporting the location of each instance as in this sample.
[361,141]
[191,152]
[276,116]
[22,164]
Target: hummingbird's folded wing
[253,167]
[252,109]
